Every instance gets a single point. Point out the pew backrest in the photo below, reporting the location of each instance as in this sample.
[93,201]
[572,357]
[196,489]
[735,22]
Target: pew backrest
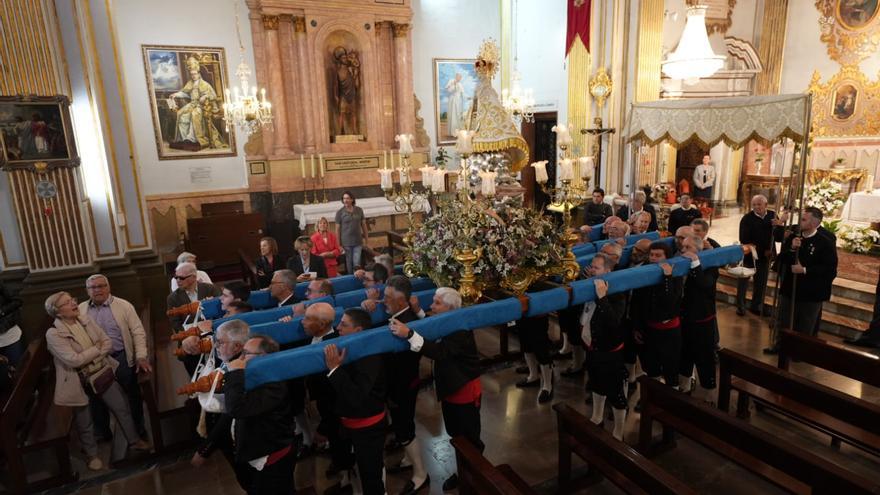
[859,366]
[477,475]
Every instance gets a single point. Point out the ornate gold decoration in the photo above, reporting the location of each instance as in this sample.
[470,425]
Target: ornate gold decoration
[422,139]
[845,177]
[521,280]
[718,16]
[649,50]
[270,22]
[468,288]
[847,43]
[400,30]
[488,58]
[299,24]
[600,87]
[829,107]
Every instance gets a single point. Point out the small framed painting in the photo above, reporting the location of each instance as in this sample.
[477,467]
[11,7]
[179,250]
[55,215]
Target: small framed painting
[455,81]
[187,86]
[36,129]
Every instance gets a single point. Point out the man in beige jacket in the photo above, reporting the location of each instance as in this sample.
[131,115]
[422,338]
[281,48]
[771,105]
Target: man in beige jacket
[120,321]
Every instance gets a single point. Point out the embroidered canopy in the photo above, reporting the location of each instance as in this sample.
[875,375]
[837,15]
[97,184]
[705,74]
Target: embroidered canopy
[709,121]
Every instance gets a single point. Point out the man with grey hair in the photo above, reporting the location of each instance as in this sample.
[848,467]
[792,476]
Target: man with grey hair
[614,251]
[120,321]
[757,229]
[189,290]
[701,228]
[456,372]
[639,203]
[282,286]
[187,257]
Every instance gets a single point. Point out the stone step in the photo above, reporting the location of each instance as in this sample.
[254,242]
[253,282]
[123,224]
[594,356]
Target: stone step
[837,317]
[849,289]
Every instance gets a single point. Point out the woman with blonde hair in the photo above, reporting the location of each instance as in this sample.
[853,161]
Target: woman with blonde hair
[84,368]
[268,262]
[326,245]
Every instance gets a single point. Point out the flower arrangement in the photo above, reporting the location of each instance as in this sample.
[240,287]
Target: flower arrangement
[858,239]
[825,195]
[512,238]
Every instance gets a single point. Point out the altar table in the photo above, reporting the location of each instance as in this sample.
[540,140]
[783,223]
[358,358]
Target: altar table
[373,207]
[862,207]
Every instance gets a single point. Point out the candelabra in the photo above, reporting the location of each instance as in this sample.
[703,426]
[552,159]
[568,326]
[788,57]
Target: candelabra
[406,197]
[567,195]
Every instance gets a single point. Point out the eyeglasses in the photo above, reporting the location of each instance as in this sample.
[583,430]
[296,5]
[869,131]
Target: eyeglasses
[93,287]
[249,353]
[178,277]
[72,302]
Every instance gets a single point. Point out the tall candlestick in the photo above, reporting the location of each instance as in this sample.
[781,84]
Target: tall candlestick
[313,166]
[302,165]
[321,165]
[385,178]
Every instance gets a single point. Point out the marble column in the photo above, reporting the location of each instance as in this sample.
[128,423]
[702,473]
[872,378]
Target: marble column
[403,86]
[289,72]
[276,85]
[307,122]
[385,53]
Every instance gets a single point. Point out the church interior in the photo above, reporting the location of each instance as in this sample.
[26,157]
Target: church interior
[439,246]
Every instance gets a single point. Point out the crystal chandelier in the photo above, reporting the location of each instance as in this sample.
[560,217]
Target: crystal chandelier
[693,58]
[519,103]
[242,108]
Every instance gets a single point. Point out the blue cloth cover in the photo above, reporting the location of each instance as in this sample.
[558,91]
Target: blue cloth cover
[290,331]
[583,249]
[342,283]
[262,299]
[596,233]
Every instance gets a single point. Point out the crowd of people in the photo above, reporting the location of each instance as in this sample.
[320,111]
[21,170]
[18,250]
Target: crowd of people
[669,329]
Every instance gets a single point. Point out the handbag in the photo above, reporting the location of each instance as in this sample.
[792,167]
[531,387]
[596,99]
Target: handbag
[101,380]
[742,271]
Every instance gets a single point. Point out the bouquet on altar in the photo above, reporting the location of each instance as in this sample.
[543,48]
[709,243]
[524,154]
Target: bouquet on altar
[858,239]
[825,195]
[512,239]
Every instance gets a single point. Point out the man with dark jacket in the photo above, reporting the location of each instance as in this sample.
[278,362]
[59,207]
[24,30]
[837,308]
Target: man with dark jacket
[188,290]
[597,211]
[684,214]
[807,267]
[756,228]
[456,373]
[303,262]
[698,322]
[603,334]
[263,431]
[359,388]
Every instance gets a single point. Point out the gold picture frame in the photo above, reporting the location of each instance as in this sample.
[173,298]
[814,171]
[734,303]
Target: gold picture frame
[848,104]
[176,75]
[36,133]
[850,30]
[444,70]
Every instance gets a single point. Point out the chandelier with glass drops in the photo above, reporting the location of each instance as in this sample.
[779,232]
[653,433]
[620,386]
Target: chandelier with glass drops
[242,108]
[518,102]
[693,58]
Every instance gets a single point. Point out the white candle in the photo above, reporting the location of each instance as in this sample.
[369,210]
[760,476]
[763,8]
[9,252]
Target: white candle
[321,165]
[405,141]
[439,183]
[563,134]
[540,171]
[384,158]
[313,166]
[488,183]
[385,178]
[464,142]
[565,169]
[586,163]
[427,175]
[302,165]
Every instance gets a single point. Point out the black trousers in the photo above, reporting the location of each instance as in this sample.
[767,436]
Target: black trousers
[661,355]
[340,445]
[368,445]
[534,337]
[698,349]
[127,377]
[570,323]
[463,420]
[607,376]
[274,479]
[403,414]
[759,279]
[631,348]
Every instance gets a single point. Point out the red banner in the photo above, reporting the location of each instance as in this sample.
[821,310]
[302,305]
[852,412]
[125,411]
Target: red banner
[578,23]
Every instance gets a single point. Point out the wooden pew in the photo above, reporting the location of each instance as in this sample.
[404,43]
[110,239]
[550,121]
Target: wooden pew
[859,366]
[616,461]
[772,458]
[476,475]
[30,422]
[248,270]
[830,411]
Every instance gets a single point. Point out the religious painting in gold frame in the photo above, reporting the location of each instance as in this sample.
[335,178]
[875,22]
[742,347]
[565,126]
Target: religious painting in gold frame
[36,133]
[850,28]
[455,81]
[187,90]
[848,104]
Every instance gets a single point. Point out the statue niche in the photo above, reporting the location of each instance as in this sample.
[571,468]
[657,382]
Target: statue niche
[345,98]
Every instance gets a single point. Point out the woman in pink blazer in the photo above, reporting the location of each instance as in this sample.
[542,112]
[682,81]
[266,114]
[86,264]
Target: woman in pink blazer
[325,245]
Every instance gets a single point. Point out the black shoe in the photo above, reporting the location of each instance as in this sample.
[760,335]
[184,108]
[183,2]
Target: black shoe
[861,342]
[410,487]
[740,312]
[451,483]
[338,489]
[572,372]
[545,396]
[525,383]
[771,350]
[522,370]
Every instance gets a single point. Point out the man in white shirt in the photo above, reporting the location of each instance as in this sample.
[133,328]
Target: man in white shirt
[704,178]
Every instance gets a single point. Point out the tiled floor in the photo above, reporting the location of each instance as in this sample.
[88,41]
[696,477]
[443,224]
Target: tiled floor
[519,432]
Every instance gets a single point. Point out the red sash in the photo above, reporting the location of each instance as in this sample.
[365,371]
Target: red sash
[277,455]
[667,325]
[358,423]
[470,393]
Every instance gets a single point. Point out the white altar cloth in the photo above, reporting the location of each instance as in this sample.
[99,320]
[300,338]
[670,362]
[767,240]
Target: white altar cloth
[862,207]
[373,207]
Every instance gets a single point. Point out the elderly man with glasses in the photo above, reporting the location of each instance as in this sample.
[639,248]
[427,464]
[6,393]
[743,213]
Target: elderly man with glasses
[189,290]
[119,320]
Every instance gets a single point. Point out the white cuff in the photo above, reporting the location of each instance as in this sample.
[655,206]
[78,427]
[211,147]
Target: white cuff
[421,314]
[416,342]
[695,263]
[331,371]
[805,270]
